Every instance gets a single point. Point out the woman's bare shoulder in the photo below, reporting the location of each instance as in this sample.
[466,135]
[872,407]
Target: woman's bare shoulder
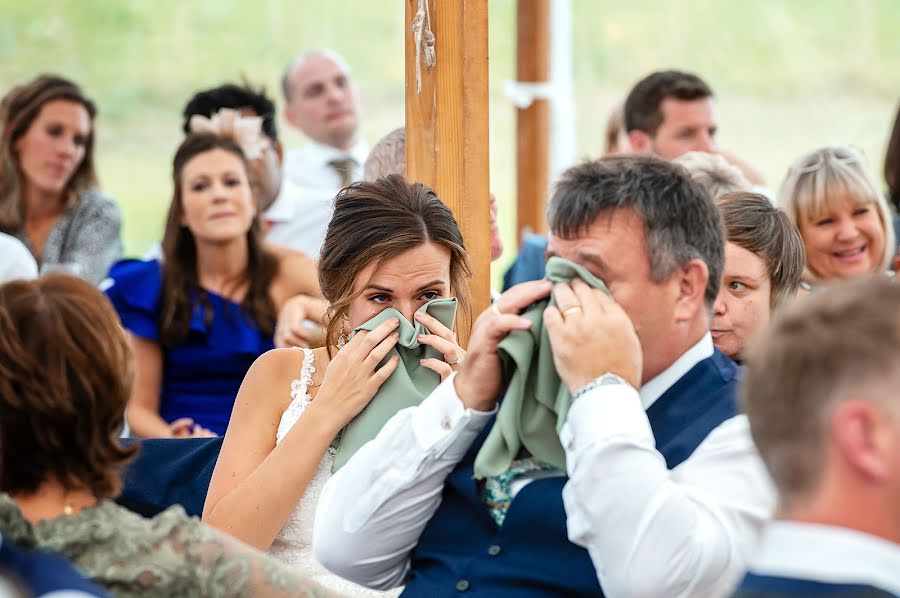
[274,369]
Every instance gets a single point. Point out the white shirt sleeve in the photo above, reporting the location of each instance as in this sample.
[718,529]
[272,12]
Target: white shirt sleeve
[651,531]
[373,510]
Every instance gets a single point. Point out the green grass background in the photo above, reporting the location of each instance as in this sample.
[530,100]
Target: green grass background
[789,75]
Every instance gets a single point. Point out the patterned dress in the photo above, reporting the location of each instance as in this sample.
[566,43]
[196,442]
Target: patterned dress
[85,240]
[170,555]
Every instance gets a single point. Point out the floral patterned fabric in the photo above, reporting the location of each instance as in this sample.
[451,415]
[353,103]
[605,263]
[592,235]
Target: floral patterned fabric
[171,555]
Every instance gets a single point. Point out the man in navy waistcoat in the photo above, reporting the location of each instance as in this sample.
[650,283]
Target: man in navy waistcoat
[663,493]
[821,397]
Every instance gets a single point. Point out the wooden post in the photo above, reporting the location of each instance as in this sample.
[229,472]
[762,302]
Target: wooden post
[533,122]
[447,125]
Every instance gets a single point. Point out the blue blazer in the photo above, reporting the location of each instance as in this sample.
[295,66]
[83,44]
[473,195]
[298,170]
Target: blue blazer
[765,586]
[463,550]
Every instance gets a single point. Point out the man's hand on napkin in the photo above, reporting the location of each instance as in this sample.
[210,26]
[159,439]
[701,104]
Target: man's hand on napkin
[591,335]
[480,375]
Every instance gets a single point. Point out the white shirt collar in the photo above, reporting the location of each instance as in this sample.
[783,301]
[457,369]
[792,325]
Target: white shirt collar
[828,554]
[323,154]
[655,388]
[282,209]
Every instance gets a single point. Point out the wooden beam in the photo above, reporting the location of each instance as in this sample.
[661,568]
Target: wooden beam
[447,125]
[533,122]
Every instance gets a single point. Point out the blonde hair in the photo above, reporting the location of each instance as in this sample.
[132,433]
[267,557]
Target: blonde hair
[827,177]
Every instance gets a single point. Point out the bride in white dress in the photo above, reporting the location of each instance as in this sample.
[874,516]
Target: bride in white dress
[390,244]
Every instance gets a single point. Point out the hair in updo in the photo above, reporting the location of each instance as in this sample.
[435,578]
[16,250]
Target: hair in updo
[376,220]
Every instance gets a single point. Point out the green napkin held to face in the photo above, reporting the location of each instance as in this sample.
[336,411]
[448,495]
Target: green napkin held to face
[410,383]
[536,402]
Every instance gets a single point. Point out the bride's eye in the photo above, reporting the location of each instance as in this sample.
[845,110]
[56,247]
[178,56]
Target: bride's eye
[380,299]
[429,295]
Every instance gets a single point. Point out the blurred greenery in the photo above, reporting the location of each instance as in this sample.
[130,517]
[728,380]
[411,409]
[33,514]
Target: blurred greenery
[788,74]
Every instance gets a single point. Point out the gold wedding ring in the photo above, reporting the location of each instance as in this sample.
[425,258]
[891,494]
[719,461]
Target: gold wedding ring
[574,308]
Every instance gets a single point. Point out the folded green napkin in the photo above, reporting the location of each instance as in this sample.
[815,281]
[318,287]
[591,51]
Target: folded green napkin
[536,402]
[410,383]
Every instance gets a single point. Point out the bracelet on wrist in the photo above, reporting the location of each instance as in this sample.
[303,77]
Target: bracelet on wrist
[603,380]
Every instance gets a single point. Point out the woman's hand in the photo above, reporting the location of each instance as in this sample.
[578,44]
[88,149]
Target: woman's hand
[301,322]
[353,377]
[443,340]
[186,428]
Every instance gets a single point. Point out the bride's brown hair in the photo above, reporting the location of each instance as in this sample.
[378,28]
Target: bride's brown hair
[375,221]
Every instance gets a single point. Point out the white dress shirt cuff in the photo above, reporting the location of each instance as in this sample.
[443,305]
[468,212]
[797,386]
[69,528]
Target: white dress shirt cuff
[604,414]
[442,425]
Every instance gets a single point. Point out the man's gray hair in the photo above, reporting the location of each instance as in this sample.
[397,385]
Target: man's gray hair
[714,173]
[387,156]
[681,223]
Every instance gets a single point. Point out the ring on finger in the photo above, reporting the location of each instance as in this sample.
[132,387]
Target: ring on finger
[456,361]
[572,310]
[496,310]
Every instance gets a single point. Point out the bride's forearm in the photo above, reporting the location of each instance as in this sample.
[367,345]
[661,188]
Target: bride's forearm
[257,508]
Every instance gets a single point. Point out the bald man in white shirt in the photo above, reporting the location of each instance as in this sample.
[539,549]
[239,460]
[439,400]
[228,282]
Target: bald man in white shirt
[323,103]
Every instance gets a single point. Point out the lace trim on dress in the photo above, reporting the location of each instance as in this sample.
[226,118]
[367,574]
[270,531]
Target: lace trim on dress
[299,395]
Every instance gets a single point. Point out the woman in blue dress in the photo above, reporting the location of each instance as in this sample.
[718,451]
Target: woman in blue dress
[200,317]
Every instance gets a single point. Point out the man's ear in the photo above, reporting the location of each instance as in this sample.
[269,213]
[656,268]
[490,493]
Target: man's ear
[289,116]
[692,280]
[865,437]
[639,141]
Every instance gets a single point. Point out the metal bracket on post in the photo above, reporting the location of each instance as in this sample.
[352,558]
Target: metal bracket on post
[523,93]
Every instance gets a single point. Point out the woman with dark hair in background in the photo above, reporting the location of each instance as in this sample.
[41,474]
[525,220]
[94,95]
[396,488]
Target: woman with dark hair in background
[201,316]
[48,188]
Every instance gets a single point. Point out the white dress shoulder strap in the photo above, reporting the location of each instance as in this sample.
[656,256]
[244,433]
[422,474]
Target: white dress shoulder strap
[299,396]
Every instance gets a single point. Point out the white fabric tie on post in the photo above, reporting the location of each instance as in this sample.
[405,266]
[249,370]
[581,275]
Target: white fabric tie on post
[424,39]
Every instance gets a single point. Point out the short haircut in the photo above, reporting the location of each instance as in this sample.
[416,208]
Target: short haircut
[840,342]
[714,173]
[387,156]
[753,223]
[643,106]
[287,87]
[681,223]
[827,177]
[208,102]
[65,379]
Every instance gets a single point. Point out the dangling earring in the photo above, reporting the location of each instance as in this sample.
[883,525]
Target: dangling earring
[342,339]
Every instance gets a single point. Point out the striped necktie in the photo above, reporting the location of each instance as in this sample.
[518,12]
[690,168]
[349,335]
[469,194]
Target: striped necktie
[344,167]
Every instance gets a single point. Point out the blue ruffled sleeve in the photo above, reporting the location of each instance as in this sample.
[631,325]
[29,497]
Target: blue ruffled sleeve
[134,290]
